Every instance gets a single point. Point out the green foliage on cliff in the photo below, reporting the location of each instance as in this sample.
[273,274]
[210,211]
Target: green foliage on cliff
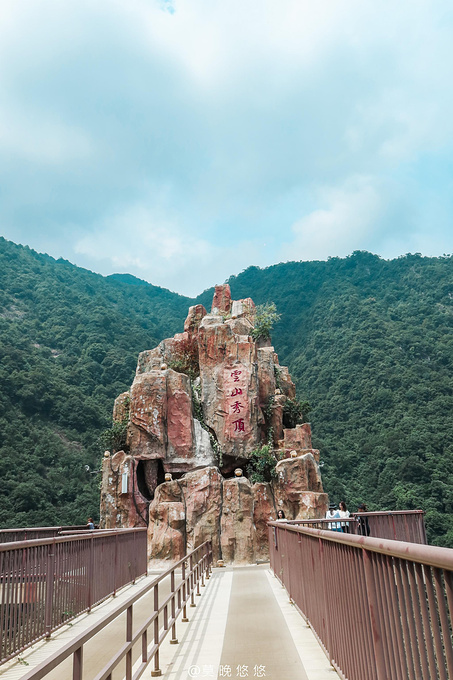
[368,342]
[265,319]
[261,465]
[295,412]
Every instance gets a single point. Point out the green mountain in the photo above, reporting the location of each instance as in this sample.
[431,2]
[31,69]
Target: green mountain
[69,341]
[368,343]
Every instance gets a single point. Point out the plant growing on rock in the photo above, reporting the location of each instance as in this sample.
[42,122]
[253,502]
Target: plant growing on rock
[114,438]
[261,465]
[265,318]
[294,412]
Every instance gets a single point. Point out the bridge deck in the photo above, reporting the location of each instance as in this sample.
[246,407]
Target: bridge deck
[242,626]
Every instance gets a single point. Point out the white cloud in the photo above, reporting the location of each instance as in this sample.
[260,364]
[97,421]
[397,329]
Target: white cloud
[205,128]
[347,218]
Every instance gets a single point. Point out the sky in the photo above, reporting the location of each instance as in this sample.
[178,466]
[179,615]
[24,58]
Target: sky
[182,141]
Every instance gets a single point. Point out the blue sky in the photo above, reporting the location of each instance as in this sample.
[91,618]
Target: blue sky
[184,141]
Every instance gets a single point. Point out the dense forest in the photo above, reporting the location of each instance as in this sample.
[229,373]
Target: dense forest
[368,343]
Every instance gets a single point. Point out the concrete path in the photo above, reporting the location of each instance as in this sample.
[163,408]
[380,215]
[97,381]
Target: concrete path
[243,626]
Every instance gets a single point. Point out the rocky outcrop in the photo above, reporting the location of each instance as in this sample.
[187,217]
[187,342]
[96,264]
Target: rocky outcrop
[122,503]
[200,404]
[298,488]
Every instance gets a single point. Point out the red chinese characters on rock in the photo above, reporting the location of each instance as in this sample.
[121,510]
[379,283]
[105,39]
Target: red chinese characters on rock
[237,406]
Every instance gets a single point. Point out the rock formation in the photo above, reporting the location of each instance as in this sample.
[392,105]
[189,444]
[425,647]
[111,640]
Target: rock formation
[201,408]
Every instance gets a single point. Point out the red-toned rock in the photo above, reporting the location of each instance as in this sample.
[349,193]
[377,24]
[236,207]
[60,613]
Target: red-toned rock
[298,488]
[299,474]
[148,413]
[266,374]
[121,407]
[277,418]
[166,540]
[194,317]
[244,308]
[202,494]
[185,425]
[180,436]
[284,380]
[229,382]
[237,530]
[166,529]
[122,504]
[263,511]
[221,303]
[297,438]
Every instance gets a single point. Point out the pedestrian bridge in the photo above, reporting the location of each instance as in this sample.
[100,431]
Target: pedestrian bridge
[329,605]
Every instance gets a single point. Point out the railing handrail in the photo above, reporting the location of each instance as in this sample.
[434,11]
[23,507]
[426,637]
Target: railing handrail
[46,582]
[355,515]
[388,512]
[58,528]
[432,555]
[77,643]
[67,537]
[380,608]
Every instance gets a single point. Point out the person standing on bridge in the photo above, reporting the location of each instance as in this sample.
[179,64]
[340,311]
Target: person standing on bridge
[344,512]
[90,523]
[330,514]
[364,526]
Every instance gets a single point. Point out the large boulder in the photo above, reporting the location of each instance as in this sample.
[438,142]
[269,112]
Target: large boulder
[237,529]
[122,504]
[298,488]
[264,510]
[202,497]
[166,529]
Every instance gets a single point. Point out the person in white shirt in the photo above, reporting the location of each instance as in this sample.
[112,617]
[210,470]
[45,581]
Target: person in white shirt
[331,513]
[344,512]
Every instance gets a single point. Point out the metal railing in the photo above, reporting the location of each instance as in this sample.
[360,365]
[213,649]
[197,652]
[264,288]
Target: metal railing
[190,572]
[397,525]
[44,583]
[381,609]
[32,533]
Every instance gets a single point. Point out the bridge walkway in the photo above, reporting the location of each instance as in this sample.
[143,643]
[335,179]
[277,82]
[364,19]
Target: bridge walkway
[243,626]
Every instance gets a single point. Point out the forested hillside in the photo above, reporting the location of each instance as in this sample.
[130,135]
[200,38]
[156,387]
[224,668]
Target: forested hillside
[368,343]
[69,341]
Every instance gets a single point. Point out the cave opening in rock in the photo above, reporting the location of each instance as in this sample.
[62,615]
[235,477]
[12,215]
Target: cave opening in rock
[141,480]
[149,474]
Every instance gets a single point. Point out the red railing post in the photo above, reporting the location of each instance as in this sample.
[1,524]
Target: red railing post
[156,672]
[90,574]
[325,600]
[115,566]
[174,639]
[129,620]
[77,664]
[191,582]
[50,580]
[184,591]
[374,616]
[208,559]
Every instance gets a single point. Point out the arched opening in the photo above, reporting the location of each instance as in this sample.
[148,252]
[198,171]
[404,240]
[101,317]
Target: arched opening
[149,474]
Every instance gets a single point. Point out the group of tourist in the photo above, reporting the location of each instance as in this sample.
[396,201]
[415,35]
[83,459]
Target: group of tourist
[340,513]
[343,513]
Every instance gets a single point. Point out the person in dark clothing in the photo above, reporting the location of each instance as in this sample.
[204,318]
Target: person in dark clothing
[364,526]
